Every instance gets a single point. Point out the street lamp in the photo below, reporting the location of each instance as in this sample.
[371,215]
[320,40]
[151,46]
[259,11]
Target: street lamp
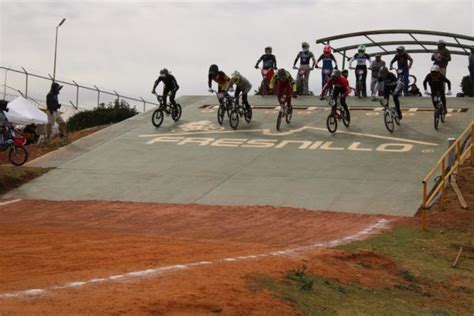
[56,47]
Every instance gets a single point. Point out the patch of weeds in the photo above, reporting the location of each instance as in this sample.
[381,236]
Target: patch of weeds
[299,275]
[407,276]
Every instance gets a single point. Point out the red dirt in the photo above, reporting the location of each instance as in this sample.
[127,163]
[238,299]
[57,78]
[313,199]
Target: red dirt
[44,244]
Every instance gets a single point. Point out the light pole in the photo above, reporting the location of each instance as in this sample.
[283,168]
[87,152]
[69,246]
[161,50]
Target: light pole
[56,47]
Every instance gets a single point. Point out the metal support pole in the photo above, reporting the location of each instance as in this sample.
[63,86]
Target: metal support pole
[118,96]
[344,60]
[144,104]
[77,94]
[26,82]
[56,48]
[98,95]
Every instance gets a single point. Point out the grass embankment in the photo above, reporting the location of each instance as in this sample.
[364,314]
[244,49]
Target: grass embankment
[12,177]
[401,272]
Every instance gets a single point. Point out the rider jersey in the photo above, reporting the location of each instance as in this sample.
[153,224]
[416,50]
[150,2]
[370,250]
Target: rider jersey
[304,57]
[389,81]
[327,60]
[340,81]
[269,61]
[288,80]
[222,80]
[376,66]
[169,82]
[436,84]
[401,59]
[360,59]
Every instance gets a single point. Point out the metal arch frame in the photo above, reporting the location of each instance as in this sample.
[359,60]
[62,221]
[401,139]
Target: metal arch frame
[383,45]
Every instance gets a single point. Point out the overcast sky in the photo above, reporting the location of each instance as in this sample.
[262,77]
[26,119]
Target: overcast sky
[122,45]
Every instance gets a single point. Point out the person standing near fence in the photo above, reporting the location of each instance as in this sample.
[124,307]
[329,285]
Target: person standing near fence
[53,107]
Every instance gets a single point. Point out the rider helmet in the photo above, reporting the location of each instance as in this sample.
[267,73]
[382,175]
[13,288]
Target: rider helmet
[213,69]
[336,73]
[305,46]
[441,43]
[281,74]
[400,49]
[327,50]
[235,76]
[435,68]
[378,57]
[164,72]
[345,73]
[361,49]
[268,50]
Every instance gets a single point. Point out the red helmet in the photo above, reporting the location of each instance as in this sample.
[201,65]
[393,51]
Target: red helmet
[327,50]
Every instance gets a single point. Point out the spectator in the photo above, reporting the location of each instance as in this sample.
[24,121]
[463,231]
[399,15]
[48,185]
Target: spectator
[376,65]
[441,57]
[4,123]
[404,62]
[53,106]
[31,134]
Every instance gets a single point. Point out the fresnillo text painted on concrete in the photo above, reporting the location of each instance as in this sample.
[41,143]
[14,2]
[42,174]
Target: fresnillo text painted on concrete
[261,143]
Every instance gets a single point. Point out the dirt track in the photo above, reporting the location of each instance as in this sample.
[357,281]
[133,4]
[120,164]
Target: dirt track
[45,245]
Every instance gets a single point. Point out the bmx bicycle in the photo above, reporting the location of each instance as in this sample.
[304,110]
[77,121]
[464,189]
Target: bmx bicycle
[439,114]
[390,115]
[338,113]
[286,111]
[301,80]
[17,153]
[169,109]
[267,75]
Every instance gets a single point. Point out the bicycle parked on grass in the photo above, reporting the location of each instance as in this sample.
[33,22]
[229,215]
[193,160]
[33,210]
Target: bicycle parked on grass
[286,111]
[390,115]
[439,114]
[338,113]
[17,153]
[169,109]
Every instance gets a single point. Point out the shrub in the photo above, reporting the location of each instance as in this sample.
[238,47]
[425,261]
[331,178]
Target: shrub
[467,86]
[113,112]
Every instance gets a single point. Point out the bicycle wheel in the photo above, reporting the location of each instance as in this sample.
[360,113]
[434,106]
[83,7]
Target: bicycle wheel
[220,115]
[234,119]
[346,117]
[280,114]
[443,115]
[436,118]
[176,112]
[18,155]
[248,115]
[388,120]
[289,114]
[157,118]
[331,123]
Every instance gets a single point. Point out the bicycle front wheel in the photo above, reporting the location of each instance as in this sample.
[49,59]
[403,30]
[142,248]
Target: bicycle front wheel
[436,118]
[331,123]
[346,117]
[234,119]
[443,115]
[289,114]
[18,155]
[157,118]
[176,112]
[280,114]
[388,120]
[220,115]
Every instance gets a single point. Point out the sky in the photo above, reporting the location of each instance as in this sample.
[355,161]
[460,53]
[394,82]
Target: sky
[122,45]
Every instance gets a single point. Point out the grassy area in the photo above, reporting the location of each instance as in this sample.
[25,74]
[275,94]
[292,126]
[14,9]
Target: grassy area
[404,271]
[12,177]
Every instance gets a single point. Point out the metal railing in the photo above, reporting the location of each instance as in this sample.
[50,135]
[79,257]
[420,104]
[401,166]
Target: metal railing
[74,84]
[449,164]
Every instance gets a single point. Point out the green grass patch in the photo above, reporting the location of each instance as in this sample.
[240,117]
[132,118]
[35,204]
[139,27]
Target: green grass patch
[427,284]
[13,177]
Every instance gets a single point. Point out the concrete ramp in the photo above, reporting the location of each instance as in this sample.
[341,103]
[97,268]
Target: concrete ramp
[362,169]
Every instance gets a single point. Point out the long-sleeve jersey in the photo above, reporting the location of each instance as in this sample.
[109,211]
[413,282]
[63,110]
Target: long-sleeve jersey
[169,81]
[390,80]
[441,57]
[327,61]
[403,60]
[288,79]
[360,59]
[340,81]
[242,83]
[221,79]
[269,61]
[304,57]
[376,66]
[436,84]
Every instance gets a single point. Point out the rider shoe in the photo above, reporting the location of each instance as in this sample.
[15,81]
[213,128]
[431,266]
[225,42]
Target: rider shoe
[400,116]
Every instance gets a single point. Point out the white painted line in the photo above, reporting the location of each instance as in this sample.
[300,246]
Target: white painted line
[380,224]
[10,202]
[412,109]
[268,132]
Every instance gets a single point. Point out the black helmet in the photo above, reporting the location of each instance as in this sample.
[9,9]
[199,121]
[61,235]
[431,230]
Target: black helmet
[281,74]
[3,105]
[268,49]
[213,69]
[164,72]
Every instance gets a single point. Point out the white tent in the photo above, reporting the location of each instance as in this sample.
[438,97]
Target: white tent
[23,112]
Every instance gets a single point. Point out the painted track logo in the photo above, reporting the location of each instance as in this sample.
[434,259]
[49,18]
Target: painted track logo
[199,126]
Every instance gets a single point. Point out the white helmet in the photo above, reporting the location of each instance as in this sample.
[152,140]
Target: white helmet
[435,68]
